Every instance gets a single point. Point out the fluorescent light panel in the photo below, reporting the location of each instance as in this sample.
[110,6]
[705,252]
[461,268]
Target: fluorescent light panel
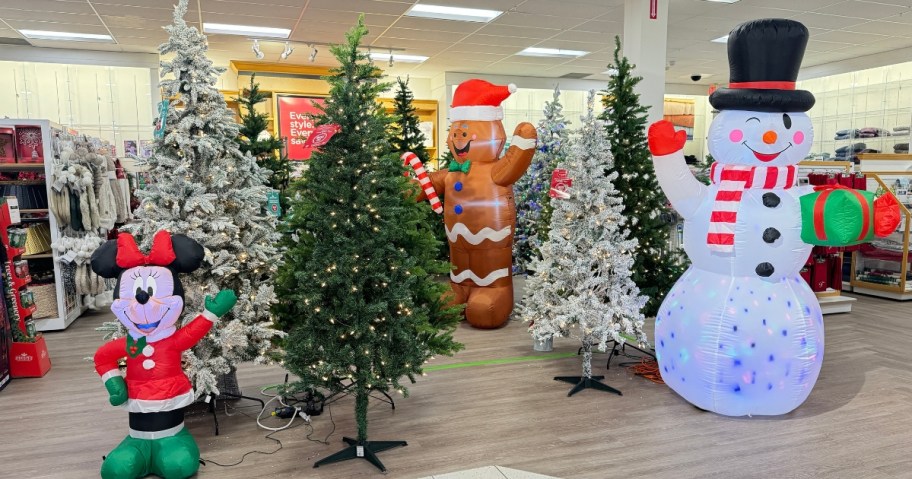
[551,52]
[78,37]
[721,39]
[245,30]
[399,58]
[724,1]
[442,12]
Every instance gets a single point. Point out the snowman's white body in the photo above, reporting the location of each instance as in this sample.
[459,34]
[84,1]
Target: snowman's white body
[728,339]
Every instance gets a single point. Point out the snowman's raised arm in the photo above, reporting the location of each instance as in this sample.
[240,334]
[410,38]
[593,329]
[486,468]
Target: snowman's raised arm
[680,187]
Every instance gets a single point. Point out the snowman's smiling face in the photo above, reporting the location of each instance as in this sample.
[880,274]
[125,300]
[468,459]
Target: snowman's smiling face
[754,138]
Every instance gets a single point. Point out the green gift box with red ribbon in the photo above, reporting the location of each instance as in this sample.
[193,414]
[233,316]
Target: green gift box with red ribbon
[836,215]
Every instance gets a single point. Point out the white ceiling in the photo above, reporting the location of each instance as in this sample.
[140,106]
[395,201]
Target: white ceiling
[840,30]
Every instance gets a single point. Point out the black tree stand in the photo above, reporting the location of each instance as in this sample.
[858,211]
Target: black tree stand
[361,447]
[587,380]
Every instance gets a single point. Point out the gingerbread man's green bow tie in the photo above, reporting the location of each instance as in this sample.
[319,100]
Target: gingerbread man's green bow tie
[463,167]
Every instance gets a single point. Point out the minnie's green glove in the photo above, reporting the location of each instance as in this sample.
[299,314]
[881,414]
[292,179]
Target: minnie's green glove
[223,302]
[117,390]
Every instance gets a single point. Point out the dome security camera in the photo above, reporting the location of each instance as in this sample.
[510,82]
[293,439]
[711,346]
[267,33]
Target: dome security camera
[696,77]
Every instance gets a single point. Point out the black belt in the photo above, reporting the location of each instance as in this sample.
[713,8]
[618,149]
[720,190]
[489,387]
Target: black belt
[156,421]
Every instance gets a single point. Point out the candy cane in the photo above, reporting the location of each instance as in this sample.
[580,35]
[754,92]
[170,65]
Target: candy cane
[412,159]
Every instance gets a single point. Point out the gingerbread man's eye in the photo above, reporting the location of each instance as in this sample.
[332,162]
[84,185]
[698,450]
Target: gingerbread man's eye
[464,134]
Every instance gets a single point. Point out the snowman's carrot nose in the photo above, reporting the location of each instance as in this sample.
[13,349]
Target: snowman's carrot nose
[770,137]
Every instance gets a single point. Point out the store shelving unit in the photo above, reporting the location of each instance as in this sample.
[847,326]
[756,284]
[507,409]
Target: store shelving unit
[69,306]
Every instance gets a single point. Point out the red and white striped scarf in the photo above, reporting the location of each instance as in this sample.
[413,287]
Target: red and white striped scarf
[732,181]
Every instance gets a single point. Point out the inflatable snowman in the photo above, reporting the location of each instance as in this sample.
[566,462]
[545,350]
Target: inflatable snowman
[741,333]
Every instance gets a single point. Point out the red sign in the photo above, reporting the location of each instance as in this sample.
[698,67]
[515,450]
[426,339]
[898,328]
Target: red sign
[653,9]
[297,120]
[321,135]
[560,184]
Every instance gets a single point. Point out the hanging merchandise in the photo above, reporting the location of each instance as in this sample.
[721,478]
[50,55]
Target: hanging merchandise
[741,333]
[479,212]
[153,388]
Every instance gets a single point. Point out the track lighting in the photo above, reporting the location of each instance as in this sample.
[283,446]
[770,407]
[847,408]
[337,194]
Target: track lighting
[313,53]
[256,50]
[288,51]
[391,58]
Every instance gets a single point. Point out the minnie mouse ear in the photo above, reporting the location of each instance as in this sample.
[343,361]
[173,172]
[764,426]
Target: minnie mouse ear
[104,260]
[190,254]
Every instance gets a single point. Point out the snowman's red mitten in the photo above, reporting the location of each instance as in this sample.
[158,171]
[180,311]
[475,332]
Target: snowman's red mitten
[664,140]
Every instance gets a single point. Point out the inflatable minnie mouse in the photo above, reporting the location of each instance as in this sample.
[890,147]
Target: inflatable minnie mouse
[149,300]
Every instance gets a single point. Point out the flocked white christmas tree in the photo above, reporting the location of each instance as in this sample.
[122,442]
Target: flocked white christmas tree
[204,187]
[582,287]
[533,205]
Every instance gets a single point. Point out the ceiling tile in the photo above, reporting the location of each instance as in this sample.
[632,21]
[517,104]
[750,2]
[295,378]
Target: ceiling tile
[826,21]
[565,8]
[519,32]
[602,26]
[366,6]
[48,7]
[500,41]
[63,27]
[502,49]
[526,20]
[250,9]
[435,25]
[233,19]
[862,9]
[313,17]
[849,37]
[882,28]
[591,37]
[422,35]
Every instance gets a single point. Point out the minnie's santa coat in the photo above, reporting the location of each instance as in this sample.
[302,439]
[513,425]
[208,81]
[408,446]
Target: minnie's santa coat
[149,302]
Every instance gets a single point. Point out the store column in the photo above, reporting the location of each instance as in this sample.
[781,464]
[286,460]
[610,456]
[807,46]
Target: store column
[644,44]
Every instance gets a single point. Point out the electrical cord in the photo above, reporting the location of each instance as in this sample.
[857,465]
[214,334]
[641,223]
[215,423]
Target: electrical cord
[244,456]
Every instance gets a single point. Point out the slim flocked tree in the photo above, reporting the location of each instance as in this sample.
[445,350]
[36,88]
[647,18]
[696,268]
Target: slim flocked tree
[258,142]
[657,265]
[533,202]
[205,188]
[356,288]
[582,285]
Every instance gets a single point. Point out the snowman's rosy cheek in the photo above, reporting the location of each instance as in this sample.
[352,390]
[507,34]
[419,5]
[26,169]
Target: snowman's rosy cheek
[798,138]
[736,136]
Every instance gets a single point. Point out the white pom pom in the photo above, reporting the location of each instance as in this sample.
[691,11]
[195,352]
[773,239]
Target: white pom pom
[511,87]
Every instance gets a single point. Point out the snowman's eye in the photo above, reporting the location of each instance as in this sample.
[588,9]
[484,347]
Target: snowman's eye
[787,121]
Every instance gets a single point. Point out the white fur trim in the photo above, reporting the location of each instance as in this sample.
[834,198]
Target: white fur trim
[110,374]
[476,113]
[486,233]
[152,435]
[490,278]
[209,315]
[511,87]
[523,143]
[158,405]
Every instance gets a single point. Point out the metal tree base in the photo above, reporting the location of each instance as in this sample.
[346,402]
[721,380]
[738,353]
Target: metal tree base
[365,450]
[581,383]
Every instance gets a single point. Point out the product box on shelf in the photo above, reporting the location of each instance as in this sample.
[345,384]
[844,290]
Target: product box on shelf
[7,145]
[29,360]
[29,144]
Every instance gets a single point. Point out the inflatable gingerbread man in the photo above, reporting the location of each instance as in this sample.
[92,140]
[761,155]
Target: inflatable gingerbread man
[479,212]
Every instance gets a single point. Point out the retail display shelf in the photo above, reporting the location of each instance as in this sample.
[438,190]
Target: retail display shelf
[21,167]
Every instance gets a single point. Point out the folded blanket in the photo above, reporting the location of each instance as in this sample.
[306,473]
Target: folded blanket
[905,129]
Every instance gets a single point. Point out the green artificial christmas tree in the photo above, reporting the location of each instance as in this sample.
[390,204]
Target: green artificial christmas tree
[407,137]
[206,188]
[533,201]
[259,143]
[357,288]
[657,266]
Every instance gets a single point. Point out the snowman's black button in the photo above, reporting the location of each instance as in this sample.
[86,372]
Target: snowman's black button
[770,235]
[771,200]
[765,270]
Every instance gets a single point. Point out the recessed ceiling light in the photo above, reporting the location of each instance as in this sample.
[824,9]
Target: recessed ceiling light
[721,39]
[551,52]
[78,37]
[442,12]
[245,30]
[724,1]
[398,57]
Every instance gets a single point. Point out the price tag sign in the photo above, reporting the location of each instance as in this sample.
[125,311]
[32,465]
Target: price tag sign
[560,184]
[359,451]
[273,206]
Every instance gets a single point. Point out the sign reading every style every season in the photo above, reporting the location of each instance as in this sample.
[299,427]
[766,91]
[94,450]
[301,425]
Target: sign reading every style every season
[297,120]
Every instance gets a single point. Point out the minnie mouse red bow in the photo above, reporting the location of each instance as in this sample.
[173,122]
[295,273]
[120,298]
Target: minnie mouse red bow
[129,255]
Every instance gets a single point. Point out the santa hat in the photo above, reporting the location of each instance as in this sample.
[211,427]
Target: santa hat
[479,100]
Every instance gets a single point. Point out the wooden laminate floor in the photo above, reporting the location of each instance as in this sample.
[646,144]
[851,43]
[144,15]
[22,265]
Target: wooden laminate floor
[857,422]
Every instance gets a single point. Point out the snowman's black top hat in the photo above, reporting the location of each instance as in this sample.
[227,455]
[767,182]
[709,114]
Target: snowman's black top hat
[763,58]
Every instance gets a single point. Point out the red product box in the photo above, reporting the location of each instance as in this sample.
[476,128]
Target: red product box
[29,360]
[819,277]
[29,144]
[560,184]
[7,145]
[861,181]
